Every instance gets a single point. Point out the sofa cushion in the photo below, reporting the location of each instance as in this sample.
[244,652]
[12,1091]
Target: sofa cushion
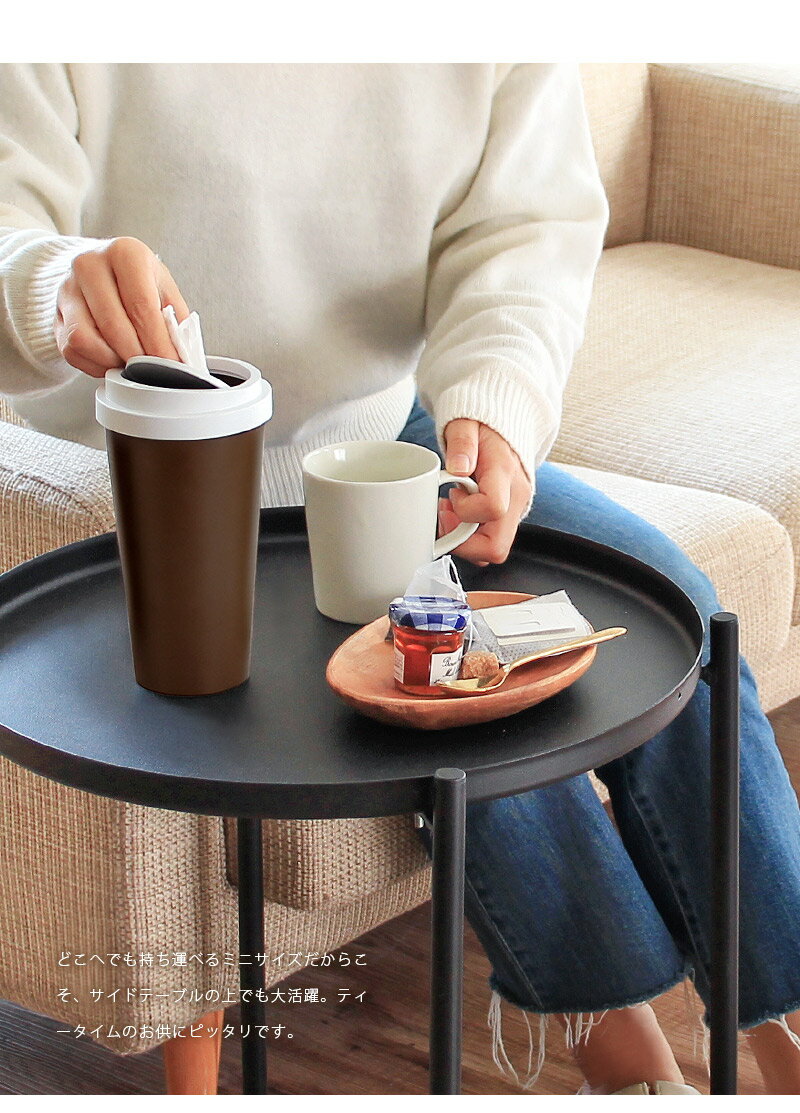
[617,98]
[690,375]
[743,550]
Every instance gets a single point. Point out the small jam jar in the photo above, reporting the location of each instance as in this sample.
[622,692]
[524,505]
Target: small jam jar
[428,633]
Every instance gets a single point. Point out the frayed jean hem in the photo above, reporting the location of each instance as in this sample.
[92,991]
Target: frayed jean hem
[776,1017]
[638,999]
[578,1025]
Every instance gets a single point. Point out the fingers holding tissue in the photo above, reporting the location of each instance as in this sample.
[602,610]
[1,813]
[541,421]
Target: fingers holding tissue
[109,307]
[504,490]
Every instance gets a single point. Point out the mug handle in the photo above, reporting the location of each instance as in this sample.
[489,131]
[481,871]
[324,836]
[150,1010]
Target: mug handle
[460,534]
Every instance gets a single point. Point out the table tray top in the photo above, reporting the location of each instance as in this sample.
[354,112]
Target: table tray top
[283,745]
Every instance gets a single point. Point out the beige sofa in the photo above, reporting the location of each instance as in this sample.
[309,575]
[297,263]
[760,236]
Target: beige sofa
[684,405]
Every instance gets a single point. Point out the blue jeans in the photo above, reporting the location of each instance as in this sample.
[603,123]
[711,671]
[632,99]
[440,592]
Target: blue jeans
[576,916]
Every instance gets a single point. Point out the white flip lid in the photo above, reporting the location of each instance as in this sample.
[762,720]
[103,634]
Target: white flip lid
[170,414]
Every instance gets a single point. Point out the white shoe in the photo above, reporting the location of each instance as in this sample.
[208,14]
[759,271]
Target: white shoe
[642,1088]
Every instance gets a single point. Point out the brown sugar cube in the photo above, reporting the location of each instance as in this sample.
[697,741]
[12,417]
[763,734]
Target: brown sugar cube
[478,663]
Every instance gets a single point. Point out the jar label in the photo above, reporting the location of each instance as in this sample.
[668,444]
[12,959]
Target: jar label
[399,663]
[445,666]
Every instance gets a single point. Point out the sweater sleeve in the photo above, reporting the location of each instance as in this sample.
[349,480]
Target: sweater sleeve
[44,181]
[511,269]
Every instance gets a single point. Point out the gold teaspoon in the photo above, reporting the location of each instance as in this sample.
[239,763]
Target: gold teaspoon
[480,684]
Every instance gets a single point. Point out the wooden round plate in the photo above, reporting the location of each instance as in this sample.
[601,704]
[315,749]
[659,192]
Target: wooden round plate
[361,672]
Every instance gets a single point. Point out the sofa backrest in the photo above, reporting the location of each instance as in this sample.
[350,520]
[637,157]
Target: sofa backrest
[618,104]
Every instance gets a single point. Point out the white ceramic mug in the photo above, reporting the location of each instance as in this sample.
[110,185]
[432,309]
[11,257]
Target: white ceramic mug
[371,510]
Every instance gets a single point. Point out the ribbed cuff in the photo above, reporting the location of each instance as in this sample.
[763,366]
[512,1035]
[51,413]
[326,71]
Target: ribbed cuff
[506,404]
[51,260]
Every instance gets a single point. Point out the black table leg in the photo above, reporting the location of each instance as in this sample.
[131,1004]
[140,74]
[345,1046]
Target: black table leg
[251,943]
[723,674]
[447,930]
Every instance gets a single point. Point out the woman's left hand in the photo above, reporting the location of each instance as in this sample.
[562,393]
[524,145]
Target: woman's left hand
[504,490]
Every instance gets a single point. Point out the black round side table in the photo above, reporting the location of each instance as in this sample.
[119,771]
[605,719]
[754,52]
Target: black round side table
[284,746]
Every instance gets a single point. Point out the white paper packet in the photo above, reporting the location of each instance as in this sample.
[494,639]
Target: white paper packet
[547,615]
[556,609]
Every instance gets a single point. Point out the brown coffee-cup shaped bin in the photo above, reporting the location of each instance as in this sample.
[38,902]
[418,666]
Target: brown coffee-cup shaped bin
[187,526]
[187,513]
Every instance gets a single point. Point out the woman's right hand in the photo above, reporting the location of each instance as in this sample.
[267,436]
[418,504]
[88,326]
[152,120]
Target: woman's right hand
[109,307]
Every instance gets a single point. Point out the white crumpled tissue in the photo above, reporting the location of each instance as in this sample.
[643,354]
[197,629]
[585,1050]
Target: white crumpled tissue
[188,340]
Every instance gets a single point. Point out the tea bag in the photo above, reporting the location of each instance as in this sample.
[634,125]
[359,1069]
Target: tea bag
[439,578]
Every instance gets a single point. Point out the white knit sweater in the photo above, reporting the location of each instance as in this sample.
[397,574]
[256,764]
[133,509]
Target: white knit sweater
[345,228]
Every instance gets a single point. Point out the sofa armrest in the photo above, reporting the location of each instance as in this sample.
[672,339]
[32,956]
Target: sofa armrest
[52,492]
[725,171]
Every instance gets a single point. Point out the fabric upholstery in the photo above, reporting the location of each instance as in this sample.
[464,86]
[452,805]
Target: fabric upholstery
[688,375]
[51,492]
[617,99]
[321,863]
[779,679]
[743,550]
[726,160]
